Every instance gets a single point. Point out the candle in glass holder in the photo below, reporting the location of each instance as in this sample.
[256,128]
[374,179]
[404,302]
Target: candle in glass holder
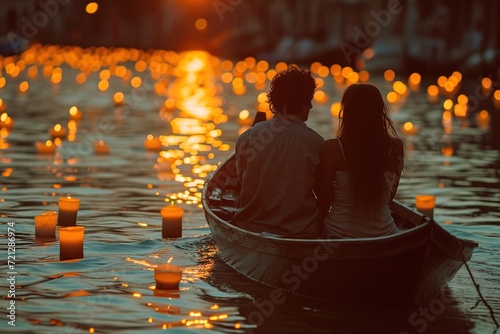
[171,217]
[58,131]
[153,143]
[167,276]
[68,210]
[425,204]
[47,147]
[71,242]
[45,224]
[101,147]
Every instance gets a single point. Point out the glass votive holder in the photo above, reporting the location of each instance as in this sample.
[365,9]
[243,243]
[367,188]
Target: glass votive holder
[426,204]
[68,210]
[171,217]
[71,242]
[167,276]
[45,224]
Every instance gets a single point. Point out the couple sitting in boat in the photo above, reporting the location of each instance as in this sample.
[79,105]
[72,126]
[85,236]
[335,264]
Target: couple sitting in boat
[296,184]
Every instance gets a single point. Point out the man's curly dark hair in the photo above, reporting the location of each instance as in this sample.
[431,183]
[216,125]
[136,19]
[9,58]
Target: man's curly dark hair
[293,88]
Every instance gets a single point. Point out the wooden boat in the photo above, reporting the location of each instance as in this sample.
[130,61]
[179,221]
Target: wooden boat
[398,271]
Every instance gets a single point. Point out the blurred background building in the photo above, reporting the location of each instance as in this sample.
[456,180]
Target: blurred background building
[426,35]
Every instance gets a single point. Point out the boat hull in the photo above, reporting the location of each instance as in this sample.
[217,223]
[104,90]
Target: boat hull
[397,271]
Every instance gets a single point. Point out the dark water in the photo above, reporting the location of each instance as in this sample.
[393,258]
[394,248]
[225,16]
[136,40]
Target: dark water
[112,289]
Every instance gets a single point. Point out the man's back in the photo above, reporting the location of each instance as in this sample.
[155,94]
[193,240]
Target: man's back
[277,163]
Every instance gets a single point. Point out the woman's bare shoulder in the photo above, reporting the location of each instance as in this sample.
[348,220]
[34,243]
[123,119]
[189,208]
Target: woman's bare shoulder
[332,154]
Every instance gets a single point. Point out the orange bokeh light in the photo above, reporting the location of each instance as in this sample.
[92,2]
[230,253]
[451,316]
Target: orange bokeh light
[201,24]
[91,7]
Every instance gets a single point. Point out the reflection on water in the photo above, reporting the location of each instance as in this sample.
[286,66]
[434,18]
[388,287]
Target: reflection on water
[195,105]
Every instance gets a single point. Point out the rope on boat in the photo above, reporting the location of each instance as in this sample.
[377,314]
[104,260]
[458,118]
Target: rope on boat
[479,291]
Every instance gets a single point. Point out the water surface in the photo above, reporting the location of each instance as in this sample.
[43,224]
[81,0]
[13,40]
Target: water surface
[183,97]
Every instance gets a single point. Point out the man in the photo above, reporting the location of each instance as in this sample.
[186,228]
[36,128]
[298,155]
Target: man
[277,162]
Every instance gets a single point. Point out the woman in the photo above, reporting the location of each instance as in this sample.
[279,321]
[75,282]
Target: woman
[360,170]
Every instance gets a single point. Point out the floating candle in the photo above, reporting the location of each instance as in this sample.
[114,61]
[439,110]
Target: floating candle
[496,98]
[167,276]
[75,113]
[71,242]
[171,221]
[45,224]
[118,99]
[432,94]
[414,81]
[483,119]
[389,75]
[68,210]
[47,147]
[244,118]
[425,204]
[409,128]
[101,147]
[23,87]
[153,143]
[6,121]
[58,131]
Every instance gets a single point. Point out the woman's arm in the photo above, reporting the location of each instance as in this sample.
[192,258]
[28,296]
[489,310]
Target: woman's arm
[326,178]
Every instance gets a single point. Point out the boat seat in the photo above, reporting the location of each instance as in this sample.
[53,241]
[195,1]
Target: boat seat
[228,199]
[215,196]
[222,213]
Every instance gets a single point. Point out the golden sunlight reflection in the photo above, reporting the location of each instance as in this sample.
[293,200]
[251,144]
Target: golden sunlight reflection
[191,89]
[79,293]
[141,262]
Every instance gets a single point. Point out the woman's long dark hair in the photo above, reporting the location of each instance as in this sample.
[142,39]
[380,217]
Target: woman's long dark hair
[367,135]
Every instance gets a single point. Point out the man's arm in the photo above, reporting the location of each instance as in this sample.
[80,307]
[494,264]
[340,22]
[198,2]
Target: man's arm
[326,179]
